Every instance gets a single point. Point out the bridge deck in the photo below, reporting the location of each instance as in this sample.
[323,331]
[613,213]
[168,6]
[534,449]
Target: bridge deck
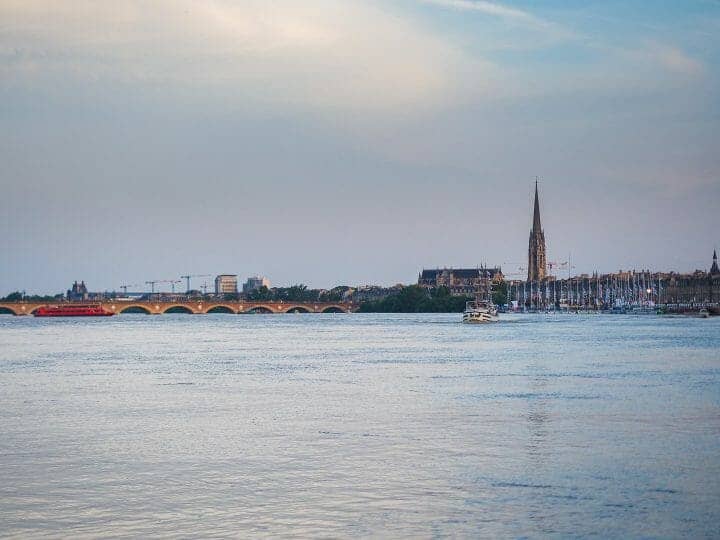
[194,307]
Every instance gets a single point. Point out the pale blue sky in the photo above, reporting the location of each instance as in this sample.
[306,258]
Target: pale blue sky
[337,141]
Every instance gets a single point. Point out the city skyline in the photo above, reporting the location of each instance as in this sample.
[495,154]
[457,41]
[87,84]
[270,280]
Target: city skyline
[354,142]
[514,270]
[537,267]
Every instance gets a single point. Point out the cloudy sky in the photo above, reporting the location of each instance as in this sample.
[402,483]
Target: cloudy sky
[344,141]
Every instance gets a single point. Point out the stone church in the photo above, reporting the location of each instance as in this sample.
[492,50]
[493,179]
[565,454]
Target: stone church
[537,261]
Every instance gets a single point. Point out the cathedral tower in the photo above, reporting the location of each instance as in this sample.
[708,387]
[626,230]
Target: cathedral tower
[537,267]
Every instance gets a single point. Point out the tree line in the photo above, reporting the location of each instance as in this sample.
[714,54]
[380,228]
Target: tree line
[17,296]
[296,293]
[416,299]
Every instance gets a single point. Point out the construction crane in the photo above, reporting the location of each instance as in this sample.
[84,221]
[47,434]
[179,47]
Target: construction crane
[519,266]
[187,279]
[125,287]
[172,283]
[152,285]
[562,265]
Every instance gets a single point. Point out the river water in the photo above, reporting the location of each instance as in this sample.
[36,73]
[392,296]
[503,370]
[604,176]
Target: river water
[360,425]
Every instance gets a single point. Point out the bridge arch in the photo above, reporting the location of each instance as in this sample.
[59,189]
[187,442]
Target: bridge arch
[134,309]
[259,310]
[298,309]
[178,308]
[220,308]
[334,309]
[5,310]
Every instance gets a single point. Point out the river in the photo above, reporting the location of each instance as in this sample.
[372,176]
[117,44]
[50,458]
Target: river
[360,425]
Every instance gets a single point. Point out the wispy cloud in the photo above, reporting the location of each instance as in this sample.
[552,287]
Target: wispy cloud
[489,8]
[518,29]
[322,53]
[651,64]
[675,59]
[509,14]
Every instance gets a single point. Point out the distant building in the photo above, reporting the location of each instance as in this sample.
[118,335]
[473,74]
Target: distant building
[254,283]
[537,262]
[226,284]
[460,281]
[78,292]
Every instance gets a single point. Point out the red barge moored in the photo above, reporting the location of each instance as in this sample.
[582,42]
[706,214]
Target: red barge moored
[73,310]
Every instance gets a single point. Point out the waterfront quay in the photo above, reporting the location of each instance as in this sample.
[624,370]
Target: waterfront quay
[669,292]
[197,307]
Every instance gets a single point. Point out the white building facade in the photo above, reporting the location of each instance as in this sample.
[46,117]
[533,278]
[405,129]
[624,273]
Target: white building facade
[226,284]
[255,282]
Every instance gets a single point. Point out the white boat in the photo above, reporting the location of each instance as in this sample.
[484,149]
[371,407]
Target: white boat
[703,313]
[479,312]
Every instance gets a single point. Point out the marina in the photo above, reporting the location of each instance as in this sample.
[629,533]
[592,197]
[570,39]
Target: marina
[631,293]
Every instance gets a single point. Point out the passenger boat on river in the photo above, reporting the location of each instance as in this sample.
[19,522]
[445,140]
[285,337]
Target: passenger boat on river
[479,312]
[73,310]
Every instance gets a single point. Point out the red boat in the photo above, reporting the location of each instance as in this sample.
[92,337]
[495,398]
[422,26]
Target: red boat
[73,310]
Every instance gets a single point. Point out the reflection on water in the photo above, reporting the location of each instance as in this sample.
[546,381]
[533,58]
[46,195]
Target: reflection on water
[359,425]
[538,417]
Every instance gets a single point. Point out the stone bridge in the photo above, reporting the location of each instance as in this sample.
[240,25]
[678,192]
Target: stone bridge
[191,307]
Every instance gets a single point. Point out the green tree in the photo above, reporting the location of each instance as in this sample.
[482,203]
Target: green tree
[297,293]
[499,293]
[334,295]
[261,294]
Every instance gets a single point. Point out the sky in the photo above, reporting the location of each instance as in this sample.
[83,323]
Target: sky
[352,142]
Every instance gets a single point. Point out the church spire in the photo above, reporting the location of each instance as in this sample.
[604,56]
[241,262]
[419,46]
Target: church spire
[714,269]
[536,215]
[537,269]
